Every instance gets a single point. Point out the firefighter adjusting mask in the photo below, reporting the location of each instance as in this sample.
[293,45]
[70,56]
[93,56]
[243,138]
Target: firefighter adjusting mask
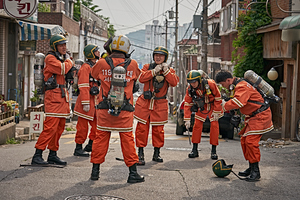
[116,93]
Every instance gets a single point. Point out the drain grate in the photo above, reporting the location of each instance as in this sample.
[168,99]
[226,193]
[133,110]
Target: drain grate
[93,197]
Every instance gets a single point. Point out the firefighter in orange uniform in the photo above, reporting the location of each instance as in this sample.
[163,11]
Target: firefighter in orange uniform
[151,107]
[117,74]
[85,103]
[204,98]
[58,66]
[258,119]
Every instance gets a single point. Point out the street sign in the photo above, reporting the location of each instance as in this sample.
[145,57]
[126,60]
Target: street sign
[20,9]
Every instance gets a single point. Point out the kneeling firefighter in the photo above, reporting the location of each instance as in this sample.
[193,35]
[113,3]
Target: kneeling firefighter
[202,97]
[85,104]
[151,107]
[117,74]
[58,67]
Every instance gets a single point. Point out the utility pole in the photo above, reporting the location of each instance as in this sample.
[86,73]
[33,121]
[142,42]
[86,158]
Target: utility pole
[166,43]
[204,37]
[175,53]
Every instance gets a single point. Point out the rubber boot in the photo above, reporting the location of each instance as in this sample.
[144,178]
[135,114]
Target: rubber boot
[37,158]
[156,156]
[213,154]
[95,172]
[134,177]
[141,156]
[194,153]
[54,159]
[246,172]
[79,151]
[254,174]
[88,147]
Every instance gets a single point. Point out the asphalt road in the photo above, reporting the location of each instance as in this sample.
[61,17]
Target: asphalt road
[178,177]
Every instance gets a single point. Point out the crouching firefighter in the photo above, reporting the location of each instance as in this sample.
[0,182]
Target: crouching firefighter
[202,97]
[85,109]
[151,107]
[258,120]
[115,106]
[58,66]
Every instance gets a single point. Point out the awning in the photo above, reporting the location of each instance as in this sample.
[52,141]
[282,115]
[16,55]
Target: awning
[31,31]
[291,22]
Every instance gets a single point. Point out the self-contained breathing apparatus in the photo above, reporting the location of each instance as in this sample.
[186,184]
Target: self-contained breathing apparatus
[266,91]
[199,101]
[51,83]
[94,90]
[38,73]
[158,82]
[116,100]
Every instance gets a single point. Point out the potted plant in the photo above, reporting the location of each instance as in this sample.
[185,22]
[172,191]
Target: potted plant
[35,98]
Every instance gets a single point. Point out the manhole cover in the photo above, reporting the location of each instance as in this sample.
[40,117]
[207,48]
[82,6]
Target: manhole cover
[93,197]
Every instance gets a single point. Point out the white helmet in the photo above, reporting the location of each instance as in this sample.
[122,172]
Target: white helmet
[120,43]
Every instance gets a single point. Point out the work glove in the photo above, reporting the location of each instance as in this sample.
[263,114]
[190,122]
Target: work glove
[165,66]
[67,56]
[86,108]
[215,116]
[187,124]
[157,69]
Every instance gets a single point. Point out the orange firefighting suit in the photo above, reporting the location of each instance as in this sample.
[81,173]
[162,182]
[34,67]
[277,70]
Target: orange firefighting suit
[85,98]
[153,111]
[56,107]
[254,126]
[212,104]
[107,122]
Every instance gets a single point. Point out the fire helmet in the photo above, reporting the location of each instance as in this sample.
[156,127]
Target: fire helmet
[193,76]
[89,51]
[57,39]
[120,43]
[221,169]
[161,50]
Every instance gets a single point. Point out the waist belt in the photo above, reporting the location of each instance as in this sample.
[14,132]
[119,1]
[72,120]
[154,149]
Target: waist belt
[63,94]
[105,104]
[261,109]
[163,97]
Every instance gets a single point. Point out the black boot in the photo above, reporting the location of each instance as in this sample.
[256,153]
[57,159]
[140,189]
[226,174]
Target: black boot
[156,156]
[141,156]
[79,152]
[54,159]
[194,152]
[246,172]
[38,158]
[95,172]
[254,174]
[213,154]
[134,177]
[88,147]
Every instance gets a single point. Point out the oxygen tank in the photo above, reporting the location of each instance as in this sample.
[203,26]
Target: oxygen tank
[258,82]
[78,64]
[118,83]
[38,71]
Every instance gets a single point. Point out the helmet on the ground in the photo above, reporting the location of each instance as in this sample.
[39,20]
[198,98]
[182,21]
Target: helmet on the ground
[57,39]
[221,169]
[161,50]
[120,43]
[89,51]
[193,76]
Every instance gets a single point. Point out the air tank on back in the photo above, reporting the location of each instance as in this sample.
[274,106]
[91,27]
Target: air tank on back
[260,83]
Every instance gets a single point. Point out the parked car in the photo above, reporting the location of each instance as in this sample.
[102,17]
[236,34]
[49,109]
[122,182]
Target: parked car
[225,127]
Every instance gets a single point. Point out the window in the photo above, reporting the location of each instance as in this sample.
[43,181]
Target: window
[228,19]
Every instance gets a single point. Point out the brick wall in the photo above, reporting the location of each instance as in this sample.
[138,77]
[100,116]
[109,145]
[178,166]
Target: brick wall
[276,12]
[214,50]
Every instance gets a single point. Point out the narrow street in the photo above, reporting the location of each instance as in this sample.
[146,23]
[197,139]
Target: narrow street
[178,177]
